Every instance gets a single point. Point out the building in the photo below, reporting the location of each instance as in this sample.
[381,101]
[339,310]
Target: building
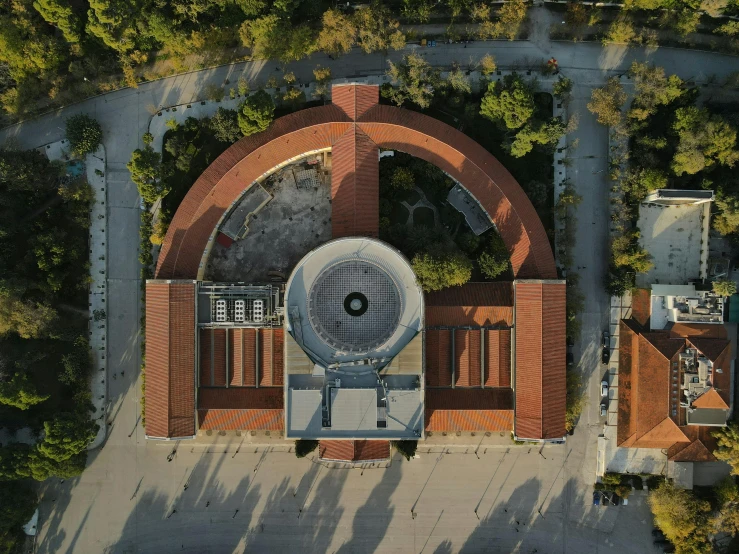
[348,350]
[674,377]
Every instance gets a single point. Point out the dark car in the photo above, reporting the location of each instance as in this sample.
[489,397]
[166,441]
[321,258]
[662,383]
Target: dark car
[570,359]
[596,498]
[605,356]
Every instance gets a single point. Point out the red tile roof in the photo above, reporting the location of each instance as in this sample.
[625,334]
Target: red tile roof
[461,316]
[240,398]
[710,399]
[320,128]
[540,359]
[245,347]
[641,306]
[469,410]
[698,330]
[438,358]
[498,358]
[355,186]
[241,420]
[472,294]
[646,400]
[353,450]
[170,359]
[696,451]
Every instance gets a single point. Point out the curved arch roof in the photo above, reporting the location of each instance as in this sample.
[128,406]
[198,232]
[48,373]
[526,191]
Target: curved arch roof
[355,111]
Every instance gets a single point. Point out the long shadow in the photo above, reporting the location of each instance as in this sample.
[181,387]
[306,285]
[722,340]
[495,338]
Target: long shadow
[376,513]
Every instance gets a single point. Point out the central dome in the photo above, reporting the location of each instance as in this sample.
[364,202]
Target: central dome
[354,305]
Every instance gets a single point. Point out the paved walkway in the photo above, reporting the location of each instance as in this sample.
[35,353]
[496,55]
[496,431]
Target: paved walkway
[132,499]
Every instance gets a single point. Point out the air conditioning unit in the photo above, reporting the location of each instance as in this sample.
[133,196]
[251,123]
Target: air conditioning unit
[240,311]
[258,311]
[221,311]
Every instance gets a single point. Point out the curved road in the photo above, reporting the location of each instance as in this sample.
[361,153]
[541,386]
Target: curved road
[504,499]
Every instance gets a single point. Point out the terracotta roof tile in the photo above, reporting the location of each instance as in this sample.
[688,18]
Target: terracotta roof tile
[467,353]
[497,357]
[662,435]
[469,399]
[706,330]
[710,348]
[320,128]
[469,409]
[438,358]
[664,344]
[355,186]
[628,356]
[694,452]
[540,359]
[353,450]
[651,404]
[355,100]
[170,359]
[240,420]
[472,294]
[710,399]
[241,398]
[641,306]
[462,316]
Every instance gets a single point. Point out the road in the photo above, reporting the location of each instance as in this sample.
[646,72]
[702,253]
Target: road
[131,499]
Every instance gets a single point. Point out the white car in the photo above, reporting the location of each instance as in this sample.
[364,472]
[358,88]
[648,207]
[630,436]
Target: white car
[604,388]
[603,409]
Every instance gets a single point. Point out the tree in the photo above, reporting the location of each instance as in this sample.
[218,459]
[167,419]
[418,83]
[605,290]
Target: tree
[727,440]
[377,31]
[148,174]
[511,102]
[640,182]
[703,140]
[225,125]
[621,31]
[271,37]
[418,11]
[727,220]
[304,447]
[25,318]
[67,435]
[60,14]
[653,89]
[436,271]
[562,88]
[512,14]
[84,134]
[495,259]
[338,33]
[576,399]
[727,496]
[724,288]
[413,80]
[458,81]
[256,113]
[20,393]
[681,517]
[18,502]
[487,65]
[537,132]
[402,179]
[406,448]
[606,102]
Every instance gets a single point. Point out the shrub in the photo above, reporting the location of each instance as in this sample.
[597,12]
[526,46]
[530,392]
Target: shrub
[256,113]
[406,448]
[84,134]
[304,447]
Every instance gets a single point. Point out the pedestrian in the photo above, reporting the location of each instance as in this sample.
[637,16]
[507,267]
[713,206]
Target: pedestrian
[207,504]
[122,373]
[186,485]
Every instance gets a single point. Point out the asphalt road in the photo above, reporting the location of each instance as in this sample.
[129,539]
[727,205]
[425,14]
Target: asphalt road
[131,499]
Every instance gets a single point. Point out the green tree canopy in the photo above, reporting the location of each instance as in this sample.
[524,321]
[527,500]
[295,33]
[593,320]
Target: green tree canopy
[562,88]
[256,113]
[495,259]
[413,80]
[681,517]
[18,502]
[726,221]
[225,125]
[441,270]
[653,89]
[704,140]
[27,319]
[606,102]
[510,102]
[84,134]
[377,31]
[304,447]
[537,132]
[148,174]
[724,288]
[67,435]
[338,33]
[403,179]
[407,449]
[20,393]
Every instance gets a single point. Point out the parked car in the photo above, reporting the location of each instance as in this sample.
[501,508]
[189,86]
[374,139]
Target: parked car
[604,388]
[596,498]
[570,359]
[606,340]
[605,355]
[603,409]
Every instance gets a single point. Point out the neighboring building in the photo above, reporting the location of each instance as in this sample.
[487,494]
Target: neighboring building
[349,351]
[674,226]
[674,378]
